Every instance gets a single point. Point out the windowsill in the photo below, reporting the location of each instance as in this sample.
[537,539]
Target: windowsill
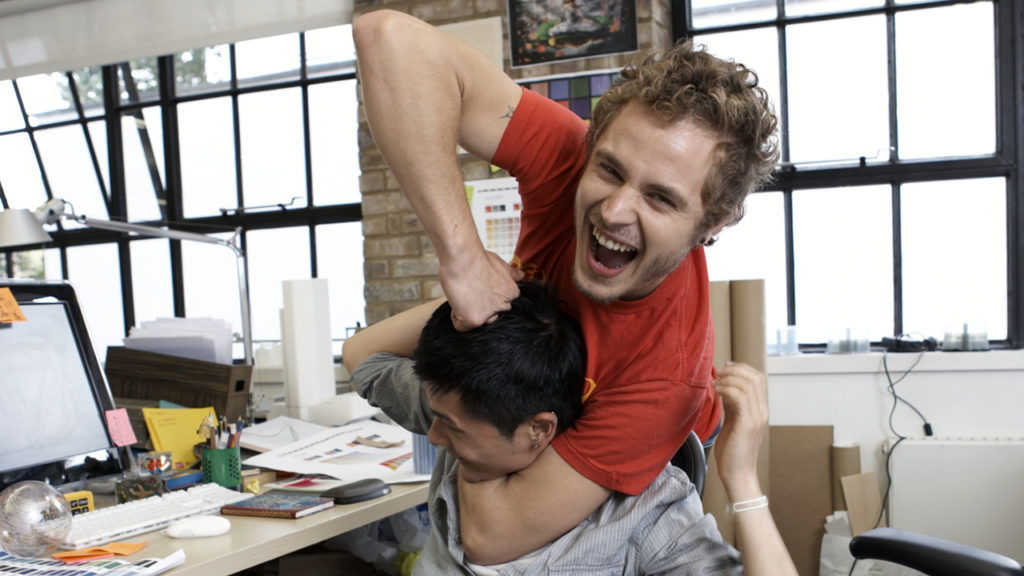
[992,360]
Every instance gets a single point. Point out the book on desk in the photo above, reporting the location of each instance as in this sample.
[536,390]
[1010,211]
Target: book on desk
[278,504]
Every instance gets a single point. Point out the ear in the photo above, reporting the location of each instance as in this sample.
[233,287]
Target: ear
[543,428]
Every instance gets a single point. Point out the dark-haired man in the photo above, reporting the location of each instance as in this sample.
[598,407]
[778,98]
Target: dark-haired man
[494,397]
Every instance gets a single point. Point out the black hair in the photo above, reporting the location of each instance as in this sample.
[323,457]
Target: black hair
[531,359]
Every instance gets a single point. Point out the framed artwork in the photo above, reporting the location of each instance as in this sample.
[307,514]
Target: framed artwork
[555,30]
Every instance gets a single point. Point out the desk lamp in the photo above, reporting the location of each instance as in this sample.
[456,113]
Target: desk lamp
[19,227]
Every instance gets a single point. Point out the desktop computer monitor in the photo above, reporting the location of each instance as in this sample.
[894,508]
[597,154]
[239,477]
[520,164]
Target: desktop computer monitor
[53,395]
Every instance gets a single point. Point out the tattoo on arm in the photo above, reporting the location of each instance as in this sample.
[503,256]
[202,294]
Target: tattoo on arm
[508,112]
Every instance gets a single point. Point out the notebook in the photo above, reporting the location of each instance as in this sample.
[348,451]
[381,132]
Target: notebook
[277,504]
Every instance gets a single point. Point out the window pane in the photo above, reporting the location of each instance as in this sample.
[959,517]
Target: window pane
[340,261]
[151,279]
[838,86]
[756,248]
[843,265]
[19,172]
[708,13]
[96,275]
[89,83]
[949,282]
[757,49]
[206,136]
[273,59]
[334,144]
[52,264]
[27,264]
[330,51]
[10,112]
[273,148]
[274,256]
[143,162]
[965,105]
[144,84]
[70,170]
[47,98]
[98,134]
[202,69]
[810,7]
[211,284]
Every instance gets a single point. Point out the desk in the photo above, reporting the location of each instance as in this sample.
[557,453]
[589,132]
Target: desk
[253,541]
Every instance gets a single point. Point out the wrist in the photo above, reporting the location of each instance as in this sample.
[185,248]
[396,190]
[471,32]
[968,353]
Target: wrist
[748,505]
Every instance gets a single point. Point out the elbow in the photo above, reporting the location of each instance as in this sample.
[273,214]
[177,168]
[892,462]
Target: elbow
[371,29]
[351,354]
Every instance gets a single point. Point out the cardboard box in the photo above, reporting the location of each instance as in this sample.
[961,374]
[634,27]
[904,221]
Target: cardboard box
[139,375]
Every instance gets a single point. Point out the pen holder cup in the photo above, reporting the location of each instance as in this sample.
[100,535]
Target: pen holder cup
[423,454]
[223,466]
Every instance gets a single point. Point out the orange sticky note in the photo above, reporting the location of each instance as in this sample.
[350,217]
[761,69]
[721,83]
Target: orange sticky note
[99,552]
[120,427]
[9,309]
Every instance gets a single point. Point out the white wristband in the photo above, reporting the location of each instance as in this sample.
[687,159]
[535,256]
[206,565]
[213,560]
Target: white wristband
[745,505]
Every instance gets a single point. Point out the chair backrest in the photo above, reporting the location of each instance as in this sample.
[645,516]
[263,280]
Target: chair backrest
[690,458]
[931,555]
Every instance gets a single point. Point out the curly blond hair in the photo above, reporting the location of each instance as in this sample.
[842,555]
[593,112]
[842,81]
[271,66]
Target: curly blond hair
[686,82]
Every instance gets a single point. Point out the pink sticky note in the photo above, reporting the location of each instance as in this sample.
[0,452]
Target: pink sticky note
[120,427]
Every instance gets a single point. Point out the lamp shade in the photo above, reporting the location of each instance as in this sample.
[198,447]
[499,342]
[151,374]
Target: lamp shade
[19,227]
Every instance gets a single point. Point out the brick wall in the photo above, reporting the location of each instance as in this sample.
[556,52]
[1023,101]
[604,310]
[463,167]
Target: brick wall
[401,265]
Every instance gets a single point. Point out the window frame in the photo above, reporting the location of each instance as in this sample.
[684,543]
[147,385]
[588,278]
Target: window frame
[1009,154]
[169,191]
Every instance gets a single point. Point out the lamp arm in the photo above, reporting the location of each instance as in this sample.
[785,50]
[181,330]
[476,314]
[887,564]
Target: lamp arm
[143,230]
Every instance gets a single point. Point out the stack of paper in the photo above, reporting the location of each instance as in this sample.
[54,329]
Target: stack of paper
[204,339]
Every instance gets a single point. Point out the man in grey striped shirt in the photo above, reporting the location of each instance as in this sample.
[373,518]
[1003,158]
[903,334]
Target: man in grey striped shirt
[492,398]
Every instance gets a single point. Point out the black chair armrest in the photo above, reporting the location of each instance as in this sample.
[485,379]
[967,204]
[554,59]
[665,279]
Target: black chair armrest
[931,555]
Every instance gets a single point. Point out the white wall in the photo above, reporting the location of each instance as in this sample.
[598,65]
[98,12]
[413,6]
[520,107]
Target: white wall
[962,394]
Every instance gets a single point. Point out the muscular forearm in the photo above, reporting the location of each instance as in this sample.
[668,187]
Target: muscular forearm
[503,520]
[417,87]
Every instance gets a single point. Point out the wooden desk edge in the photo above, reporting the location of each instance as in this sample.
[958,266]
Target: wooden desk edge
[241,548]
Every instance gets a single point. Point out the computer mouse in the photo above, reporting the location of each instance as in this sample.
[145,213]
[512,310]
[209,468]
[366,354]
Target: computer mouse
[198,527]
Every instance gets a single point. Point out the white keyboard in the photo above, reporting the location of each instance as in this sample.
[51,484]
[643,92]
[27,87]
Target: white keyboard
[124,520]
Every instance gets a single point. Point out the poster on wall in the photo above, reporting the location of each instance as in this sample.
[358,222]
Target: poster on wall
[555,30]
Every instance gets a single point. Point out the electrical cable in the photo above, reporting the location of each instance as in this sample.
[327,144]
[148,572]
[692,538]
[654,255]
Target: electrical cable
[896,399]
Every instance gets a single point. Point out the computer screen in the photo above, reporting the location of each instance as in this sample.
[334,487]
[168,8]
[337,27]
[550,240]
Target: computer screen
[53,395]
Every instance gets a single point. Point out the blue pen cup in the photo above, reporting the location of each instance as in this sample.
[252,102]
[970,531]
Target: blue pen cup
[423,454]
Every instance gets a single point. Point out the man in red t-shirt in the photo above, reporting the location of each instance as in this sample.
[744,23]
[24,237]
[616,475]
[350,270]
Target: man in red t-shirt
[614,215]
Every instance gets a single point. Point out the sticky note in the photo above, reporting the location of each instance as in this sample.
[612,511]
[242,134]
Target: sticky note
[9,309]
[120,427]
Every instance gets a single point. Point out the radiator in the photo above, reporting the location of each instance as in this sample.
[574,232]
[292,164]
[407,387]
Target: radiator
[965,490]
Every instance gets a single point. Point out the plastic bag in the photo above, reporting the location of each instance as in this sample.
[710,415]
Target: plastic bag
[392,544]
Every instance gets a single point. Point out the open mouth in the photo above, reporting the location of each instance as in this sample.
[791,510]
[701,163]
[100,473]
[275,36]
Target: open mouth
[609,253]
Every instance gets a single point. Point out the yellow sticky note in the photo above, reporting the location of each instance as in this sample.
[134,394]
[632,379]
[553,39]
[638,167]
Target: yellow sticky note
[9,309]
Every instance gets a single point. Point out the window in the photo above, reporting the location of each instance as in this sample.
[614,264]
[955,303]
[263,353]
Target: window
[894,207]
[258,136]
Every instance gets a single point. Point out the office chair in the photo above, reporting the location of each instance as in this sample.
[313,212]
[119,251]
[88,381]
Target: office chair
[931,555]
[690,458]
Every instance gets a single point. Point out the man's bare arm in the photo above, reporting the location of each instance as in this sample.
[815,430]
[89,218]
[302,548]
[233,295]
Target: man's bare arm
[503,520]
[398,335]
[425,92]
[744,398]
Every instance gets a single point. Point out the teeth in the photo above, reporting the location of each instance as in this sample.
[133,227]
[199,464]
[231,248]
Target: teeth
[611,244]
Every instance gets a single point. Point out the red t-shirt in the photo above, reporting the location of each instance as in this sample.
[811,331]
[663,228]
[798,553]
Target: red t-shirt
[649,368]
